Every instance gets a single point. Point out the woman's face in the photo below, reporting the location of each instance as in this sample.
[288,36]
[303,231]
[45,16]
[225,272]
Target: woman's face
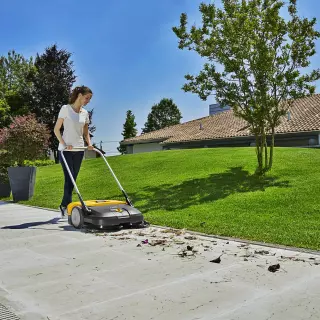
[85,99]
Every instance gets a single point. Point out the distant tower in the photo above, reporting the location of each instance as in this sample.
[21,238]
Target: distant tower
[215,108]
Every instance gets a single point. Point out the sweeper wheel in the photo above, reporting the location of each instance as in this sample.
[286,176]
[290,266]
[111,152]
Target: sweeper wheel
[77,217]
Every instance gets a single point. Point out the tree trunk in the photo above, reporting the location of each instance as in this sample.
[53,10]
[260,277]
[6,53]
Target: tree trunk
[271,150]
[265,152]
[56,157]
[262,152]
[259,153]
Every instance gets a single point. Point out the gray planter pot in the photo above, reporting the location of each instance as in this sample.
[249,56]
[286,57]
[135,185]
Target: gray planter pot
[5,190]
[22,181]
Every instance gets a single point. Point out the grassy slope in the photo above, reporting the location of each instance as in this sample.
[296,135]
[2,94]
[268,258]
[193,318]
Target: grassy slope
[208,190]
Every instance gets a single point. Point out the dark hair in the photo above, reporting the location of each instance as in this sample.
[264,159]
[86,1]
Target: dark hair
[75,92]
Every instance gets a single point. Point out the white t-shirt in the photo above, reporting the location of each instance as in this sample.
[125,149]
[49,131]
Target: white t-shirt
[73,124]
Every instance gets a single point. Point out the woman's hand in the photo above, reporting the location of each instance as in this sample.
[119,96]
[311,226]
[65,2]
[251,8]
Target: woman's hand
[69,147]
[90,147]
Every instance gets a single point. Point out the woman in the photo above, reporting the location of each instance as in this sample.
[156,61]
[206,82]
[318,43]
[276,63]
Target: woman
[75,121]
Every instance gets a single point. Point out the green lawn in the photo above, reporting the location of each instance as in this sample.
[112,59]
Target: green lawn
[208,190]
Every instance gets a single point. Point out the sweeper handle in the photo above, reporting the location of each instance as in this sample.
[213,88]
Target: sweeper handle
[114,176]
[73,182]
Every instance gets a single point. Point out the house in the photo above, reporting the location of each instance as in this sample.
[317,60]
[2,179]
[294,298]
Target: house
[299,128]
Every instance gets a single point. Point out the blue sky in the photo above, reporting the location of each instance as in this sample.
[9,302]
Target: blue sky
[124,50]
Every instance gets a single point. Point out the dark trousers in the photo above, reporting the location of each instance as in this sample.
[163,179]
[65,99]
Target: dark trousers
[74,160]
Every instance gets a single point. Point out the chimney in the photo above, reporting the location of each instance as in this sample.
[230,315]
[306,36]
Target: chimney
[288,116]
[201,127]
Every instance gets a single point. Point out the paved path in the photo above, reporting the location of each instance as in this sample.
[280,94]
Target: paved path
[50,271]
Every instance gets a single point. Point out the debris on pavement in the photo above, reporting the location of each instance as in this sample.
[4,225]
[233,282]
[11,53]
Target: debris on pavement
[179,242]
[274,267]
[217,260]
[190,238]
[176,232]
[186,253]
[157,242]
[188,245]
[262,252]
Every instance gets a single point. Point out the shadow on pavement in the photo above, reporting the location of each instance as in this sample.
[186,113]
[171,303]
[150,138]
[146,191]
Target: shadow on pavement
[32,224]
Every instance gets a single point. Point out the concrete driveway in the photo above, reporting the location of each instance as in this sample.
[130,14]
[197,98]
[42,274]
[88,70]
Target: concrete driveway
[48,270]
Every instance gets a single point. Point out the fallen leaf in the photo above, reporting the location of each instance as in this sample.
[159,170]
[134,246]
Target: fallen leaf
[217,260]
[274,267]
[190,237]
[243,246]
[157,242]
[167,231]
[179,232]
[118,234]
[179,242]
[261,252]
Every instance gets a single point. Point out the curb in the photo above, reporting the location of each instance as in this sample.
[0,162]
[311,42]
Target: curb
[252,242]
[211,236]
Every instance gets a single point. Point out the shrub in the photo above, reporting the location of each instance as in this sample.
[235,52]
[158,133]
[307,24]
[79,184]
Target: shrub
[39,163]
[4,164]
[24,139]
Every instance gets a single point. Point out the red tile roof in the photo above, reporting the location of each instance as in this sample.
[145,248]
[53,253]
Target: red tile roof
[304,117]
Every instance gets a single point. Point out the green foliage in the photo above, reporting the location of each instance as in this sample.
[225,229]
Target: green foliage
[129,130]
[24,139]
[39,163]
[164,114]
[15,84]
[4,113]
[256,61]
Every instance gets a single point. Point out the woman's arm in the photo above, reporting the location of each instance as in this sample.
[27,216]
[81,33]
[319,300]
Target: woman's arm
[87,136]
[57,132]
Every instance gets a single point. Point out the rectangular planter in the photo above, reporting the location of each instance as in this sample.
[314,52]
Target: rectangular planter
[22,182]
[5,190]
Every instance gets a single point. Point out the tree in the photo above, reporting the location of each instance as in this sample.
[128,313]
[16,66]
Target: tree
[262,56]
[52,87]
[92,128]
[163,114]
[129,130]
[15,86]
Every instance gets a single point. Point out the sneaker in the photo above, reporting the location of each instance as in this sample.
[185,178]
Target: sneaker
[63,211]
